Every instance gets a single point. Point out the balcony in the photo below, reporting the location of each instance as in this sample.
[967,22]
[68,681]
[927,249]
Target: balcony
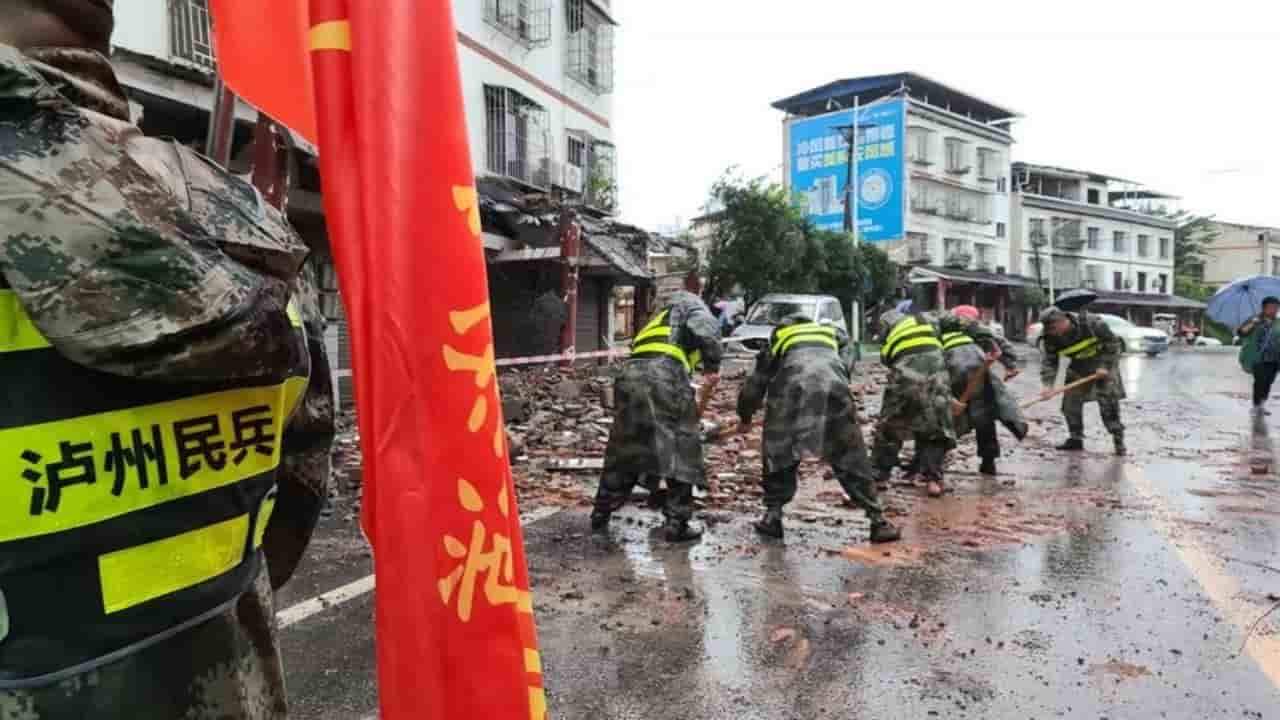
[958,259]
[1069,242]
[1038,238]
[919,253]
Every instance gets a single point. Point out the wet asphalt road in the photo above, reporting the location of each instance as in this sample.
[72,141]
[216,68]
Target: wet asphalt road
[1079,586]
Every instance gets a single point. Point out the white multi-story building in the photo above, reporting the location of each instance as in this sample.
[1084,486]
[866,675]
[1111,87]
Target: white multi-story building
[953,165]
[537,78]
[1077,229]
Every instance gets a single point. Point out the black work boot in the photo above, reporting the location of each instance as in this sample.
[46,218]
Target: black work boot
[883,531]
[1072,443]
[657,499]
[1019,430]
[912,466]
[771,524]
[600,520]
[681,531]
[988,466]
[1121,450]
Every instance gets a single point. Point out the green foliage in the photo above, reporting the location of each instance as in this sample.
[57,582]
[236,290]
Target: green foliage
[1190,288]
[763,244]
[1193,233]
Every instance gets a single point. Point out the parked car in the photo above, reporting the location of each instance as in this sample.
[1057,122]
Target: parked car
[1203,341]
[996,327]
[1132,338]
[753,334]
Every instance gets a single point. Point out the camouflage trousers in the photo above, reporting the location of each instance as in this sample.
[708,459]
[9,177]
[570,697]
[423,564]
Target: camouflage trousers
[780,488]
[1108,407]
[616,487]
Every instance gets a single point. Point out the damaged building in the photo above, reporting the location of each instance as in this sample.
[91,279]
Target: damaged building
[542,252]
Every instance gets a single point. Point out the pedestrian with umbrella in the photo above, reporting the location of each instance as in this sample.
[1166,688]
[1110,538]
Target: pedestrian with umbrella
[1251,305]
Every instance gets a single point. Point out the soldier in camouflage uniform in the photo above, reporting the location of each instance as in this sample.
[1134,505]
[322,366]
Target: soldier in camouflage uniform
[656,429]
[140,267]
[810,412]
[917,395]
[992,401]
[1088,342]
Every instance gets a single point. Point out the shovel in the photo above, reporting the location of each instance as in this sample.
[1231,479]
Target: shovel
[1065,388]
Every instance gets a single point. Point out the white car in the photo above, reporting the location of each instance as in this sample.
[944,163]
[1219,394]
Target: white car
[1203,341]
[1132,338]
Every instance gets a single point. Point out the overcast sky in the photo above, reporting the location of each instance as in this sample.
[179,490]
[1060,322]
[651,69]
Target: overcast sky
[1190,105]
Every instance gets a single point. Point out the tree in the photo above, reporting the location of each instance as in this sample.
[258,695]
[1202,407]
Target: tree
[1193,234]
[760,242]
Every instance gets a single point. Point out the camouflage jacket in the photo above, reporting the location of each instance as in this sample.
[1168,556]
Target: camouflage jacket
[962,362]
[917,394]
[140,258]
[1110,349]
[655,429]
[810,410]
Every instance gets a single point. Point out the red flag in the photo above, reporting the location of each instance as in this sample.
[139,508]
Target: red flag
[262,52]
[456,636]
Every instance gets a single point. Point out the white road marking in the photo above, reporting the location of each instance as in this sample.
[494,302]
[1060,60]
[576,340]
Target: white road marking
[324,601]
[363,586]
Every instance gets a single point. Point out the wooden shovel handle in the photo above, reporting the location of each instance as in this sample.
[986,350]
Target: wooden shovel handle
[1065,388]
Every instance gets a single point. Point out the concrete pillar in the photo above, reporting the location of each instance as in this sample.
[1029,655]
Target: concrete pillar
[570,244]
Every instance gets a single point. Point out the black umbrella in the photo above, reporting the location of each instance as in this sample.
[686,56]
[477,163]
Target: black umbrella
[1075,300]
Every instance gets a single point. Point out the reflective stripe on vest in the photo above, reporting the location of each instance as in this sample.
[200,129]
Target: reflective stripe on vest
[803,335]
[130,507]
[908,337]
[655,339]
[1082,350]
[955,339]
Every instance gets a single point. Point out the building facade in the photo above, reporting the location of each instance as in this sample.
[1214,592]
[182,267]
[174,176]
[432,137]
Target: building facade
[952,162]
[1078,229]
[1238,251]
[537,80]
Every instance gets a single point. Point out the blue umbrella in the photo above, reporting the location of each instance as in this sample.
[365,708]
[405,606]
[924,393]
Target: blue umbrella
[904,307]
[1242,299]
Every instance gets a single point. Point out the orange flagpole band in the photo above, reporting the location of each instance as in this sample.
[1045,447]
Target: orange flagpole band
[331,35]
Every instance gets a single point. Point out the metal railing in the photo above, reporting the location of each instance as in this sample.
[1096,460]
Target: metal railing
[589,58]
[191,37]
[525,21]
[516,137]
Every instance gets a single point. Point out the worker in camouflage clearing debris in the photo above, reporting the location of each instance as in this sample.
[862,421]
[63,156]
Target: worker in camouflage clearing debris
[917,395]
[990,399]
[1092,348]
[809,412]
[655,430]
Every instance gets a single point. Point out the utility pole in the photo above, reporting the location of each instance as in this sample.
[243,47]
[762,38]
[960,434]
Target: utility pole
[851,222]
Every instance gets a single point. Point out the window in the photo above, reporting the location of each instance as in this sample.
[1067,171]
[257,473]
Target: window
[590,47]
[1275,265]
[1093,276]
[983,256]
[1037,231]
[831,311]
[1118,243]
[957,157]
[1000,230]
[1095,238]
[1094,196]
[191,38]
[1002,184]
[1164,248]
[1144,245]
[988,164]
[1142,282]
[525,21]
[956,252]
[1117,281]
[918,248]
[602,180]
[1164,283]
[919,140]
[516,137]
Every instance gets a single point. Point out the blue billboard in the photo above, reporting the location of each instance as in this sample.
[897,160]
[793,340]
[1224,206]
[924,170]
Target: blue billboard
[820,169]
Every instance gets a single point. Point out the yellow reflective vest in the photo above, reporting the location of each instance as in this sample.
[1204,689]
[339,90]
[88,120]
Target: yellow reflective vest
[955,339]
[130,509]
[911,335]
[655,340]
[803,335]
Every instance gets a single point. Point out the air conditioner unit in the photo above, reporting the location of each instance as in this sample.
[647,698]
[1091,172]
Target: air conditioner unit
[573,178]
